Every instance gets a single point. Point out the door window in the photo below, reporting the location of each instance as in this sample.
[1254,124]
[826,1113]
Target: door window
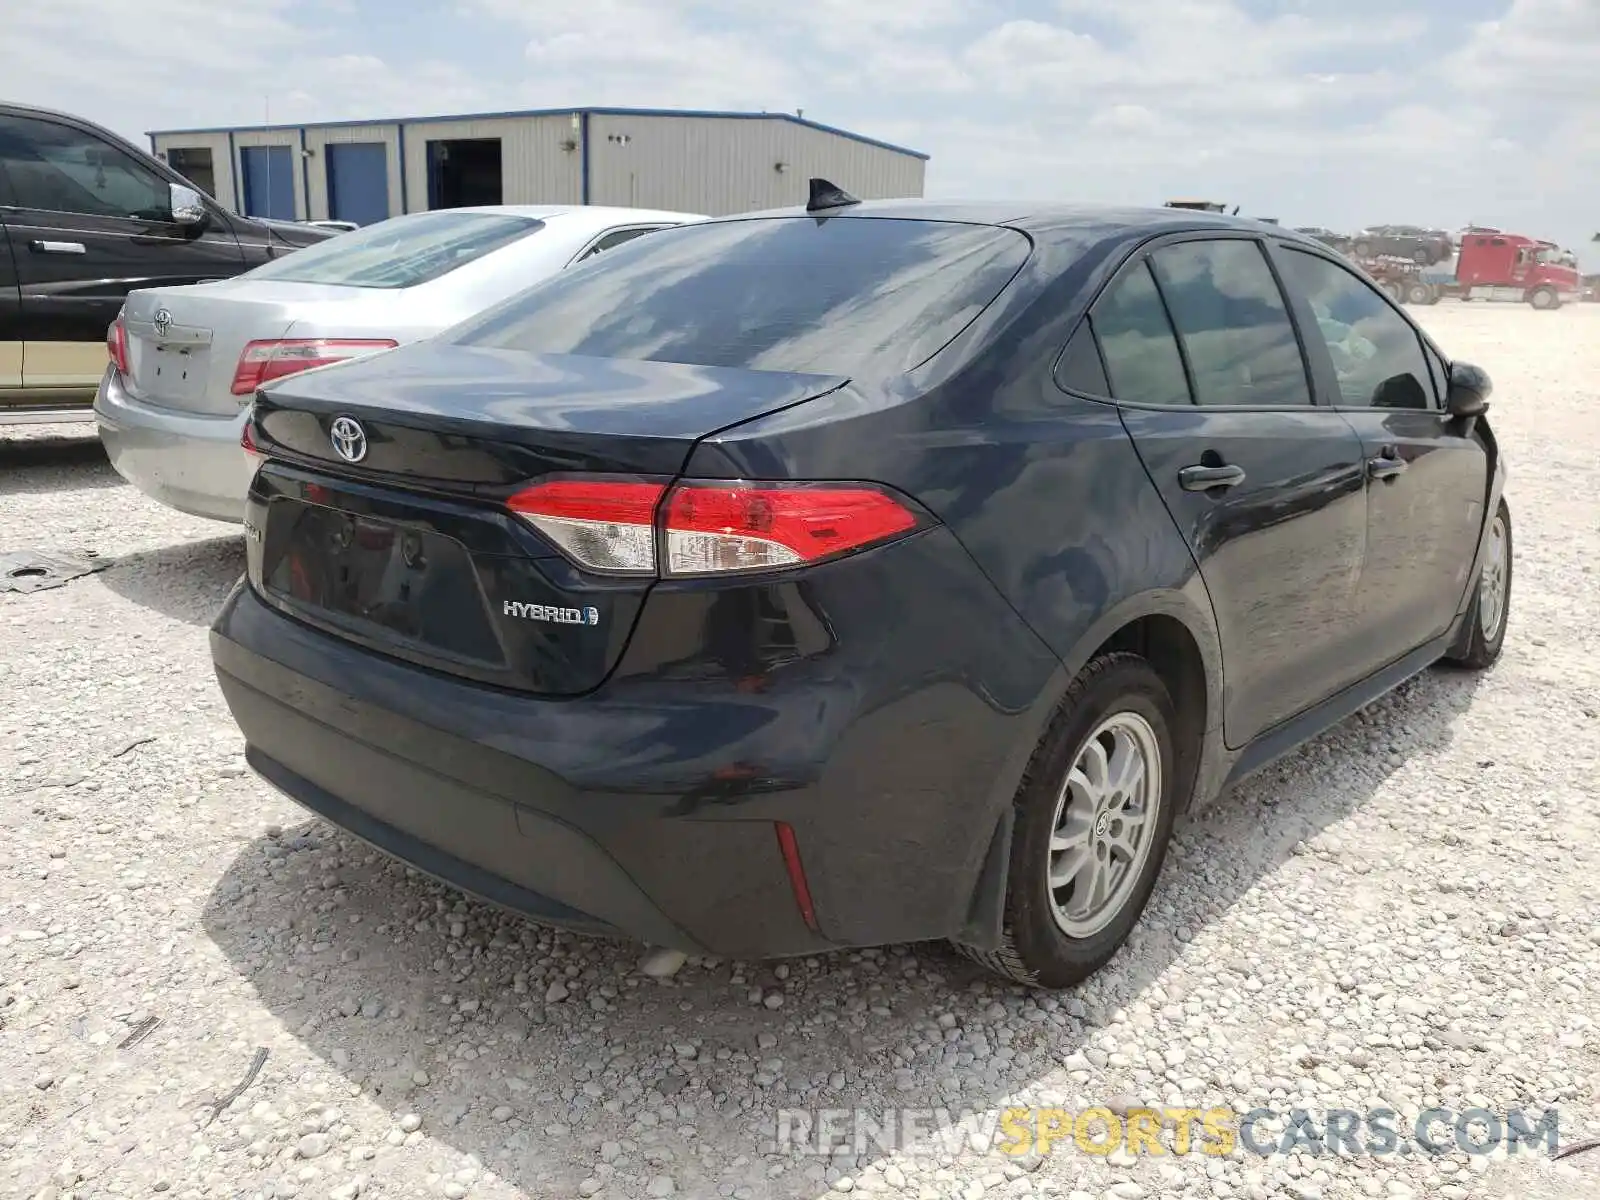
[60,169]
[1377,355]
[1136,339]
[1233,322]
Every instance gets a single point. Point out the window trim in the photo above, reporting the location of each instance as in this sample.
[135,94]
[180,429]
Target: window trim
[1141,256]
[1326,380]
[151,167]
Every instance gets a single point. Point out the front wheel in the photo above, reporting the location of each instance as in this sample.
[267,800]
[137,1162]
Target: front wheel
[1485,632]
[1093,819]
[1544,299]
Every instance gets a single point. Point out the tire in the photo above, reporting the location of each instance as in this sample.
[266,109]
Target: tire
[1392,290]
[1418,293]
[1480,642]
[1423,256]
[1545,299]
[1363,249]
[1039,945]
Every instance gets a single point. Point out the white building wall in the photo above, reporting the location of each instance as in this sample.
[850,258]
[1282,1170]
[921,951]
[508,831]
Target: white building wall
[535,166]
[317,141]
[720,165]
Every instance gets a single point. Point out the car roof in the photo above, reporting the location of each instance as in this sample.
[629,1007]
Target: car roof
[598,215]
[1046,218]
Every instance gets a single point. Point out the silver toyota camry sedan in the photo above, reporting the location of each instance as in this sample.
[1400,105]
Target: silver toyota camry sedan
[185,361]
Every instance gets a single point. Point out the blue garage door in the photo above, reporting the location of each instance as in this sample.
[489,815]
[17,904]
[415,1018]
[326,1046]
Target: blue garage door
[358,182]
[268,181]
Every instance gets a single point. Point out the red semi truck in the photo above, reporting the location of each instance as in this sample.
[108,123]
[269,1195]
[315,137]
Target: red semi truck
[1495,265]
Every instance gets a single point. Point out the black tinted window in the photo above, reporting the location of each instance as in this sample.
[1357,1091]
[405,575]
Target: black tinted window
[60,169]
[1235,328]
[840,296]
[1080,368]
[612,240]
[1141,353]
[1377,355]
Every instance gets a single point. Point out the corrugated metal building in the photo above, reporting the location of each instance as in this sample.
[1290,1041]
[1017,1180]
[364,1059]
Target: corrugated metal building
[363,171]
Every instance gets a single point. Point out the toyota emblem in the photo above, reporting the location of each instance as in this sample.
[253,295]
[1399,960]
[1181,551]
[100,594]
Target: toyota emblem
[348,438]
[162,322]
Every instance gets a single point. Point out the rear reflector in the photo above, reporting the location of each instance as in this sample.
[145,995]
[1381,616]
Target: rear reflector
[709,527]
[789,847]
[117,344]
[264,361]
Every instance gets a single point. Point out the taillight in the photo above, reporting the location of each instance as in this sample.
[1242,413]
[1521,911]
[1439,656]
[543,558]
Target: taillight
[709,527]
[247,442]
[117,344]
[273,358]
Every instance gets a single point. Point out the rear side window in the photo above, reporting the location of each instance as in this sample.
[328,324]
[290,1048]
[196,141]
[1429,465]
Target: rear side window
[402,252]
[1141,352]
[1233,323]
[614,239]
[842,296]
[1080,368]
[1377,355]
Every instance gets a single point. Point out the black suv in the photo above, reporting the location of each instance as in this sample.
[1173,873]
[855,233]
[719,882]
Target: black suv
[84,217]
[1424,246]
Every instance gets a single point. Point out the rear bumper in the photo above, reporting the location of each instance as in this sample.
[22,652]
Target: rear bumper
[650,808]
[187,461]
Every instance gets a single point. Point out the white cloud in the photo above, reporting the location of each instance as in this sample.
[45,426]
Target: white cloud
[1324,115]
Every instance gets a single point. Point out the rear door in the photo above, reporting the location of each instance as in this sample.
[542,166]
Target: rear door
[1427,481]
[88,222]
[1266,488]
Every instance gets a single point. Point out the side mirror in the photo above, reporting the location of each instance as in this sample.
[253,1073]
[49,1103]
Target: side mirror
[187,206]
[1468,394]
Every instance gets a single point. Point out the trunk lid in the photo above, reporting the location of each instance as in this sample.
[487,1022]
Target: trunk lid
[412,552]
[184,342]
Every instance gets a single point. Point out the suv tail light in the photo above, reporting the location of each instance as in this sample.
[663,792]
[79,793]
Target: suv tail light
[273,358]
[117,344]
[247,442]
[709,527]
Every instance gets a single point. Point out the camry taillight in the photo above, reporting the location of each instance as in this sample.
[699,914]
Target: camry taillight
[117,344]
[709,527]
[273,358]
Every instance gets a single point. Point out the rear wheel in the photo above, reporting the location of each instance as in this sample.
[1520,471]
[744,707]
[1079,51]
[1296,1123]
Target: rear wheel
[1392,290]
[1363,249]
[1544,298]
[1485,631]
[1093,819]
[1422,255]
[1418,293]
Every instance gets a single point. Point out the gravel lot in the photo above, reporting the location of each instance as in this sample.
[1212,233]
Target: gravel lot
[1403,914]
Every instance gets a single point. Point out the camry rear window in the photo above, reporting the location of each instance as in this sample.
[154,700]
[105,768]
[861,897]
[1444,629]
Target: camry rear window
[401,252]
[840,296]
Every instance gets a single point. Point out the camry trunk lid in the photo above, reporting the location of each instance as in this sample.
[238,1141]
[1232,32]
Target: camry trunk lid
[184,342]
[381,513]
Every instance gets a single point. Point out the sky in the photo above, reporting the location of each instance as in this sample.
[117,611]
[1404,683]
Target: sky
[1338,113]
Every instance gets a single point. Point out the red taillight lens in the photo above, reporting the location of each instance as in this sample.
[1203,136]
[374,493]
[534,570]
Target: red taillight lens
[708,527]
[247,440]
[117,344]
[601,524]
[717,527]
[264,361]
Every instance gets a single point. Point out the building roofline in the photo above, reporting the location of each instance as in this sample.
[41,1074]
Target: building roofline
[555,112]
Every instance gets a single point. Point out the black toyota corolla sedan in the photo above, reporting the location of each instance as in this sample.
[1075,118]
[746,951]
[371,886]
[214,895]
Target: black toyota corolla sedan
[866,573]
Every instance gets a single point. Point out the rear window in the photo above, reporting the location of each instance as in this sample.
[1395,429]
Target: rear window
[402,252]
[842,296]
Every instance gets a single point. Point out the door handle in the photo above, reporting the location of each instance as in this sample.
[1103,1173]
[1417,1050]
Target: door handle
[44,247]
[1203,479]
[1387,465]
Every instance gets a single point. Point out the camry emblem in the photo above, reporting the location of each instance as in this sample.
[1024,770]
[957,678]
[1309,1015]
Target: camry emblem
[162,322]
[348,438]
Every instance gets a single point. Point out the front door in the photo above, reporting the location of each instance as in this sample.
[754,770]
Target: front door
[1427,481]
[1266,488]
[87,224]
